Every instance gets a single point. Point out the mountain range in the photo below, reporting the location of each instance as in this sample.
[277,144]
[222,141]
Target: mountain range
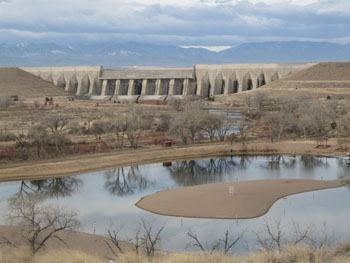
[138,54]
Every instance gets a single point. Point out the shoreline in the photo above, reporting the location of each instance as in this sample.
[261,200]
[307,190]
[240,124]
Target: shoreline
[75,165]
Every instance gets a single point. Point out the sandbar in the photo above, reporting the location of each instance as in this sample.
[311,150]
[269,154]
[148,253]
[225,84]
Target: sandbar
[234,200]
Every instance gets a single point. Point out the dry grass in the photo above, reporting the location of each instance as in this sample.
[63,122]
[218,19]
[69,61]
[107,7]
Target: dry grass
[292,254]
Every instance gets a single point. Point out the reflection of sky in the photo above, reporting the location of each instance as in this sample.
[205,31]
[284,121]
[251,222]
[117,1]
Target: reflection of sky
[94,203]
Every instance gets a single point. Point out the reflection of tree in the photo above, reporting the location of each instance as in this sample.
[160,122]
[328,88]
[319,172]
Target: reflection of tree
[311,162]
[55,187]
[193,172]
[275,162]
[125,181]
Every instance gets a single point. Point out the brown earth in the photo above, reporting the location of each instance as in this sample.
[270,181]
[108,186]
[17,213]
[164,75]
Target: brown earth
[233,200]
[14,81]
[88,243]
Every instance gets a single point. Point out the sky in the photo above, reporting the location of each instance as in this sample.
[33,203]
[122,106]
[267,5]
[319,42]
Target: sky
[176,22]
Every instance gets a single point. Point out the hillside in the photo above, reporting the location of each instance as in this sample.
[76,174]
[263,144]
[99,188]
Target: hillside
[324,72]
[335,75]
[14,81]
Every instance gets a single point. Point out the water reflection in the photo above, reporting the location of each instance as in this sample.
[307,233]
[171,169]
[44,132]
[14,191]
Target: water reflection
[55,187]
[311,162]
[193,172]
[276,162]
[125,181]
[96,195]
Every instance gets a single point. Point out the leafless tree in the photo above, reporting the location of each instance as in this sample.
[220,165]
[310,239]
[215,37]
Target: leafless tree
[149,239]
[210,124]
[242,125]
[137,241]
[224,127]
[259,100]
[187,122]
[227,243]
[344,124]
[120,126]
[321,238]
[138,121]
[316,119]
[98,129]
[39,137]
[175,103]
[248,100]
[22,144]
[274,237]
[57,125]
[38,223]
[113,241]
[278,122]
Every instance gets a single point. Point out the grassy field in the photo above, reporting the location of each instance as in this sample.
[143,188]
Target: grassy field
[340,254]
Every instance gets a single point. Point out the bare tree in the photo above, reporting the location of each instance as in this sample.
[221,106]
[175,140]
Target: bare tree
[187,122]
[57,126]
[113,241]
[137,240]
[22,144]
[224,127]
[274,237]
[149,239]
[37,223]
[277,123]
[138,121]
[316,119]
[259,99]
[227,243]
[39,137]
[242,125]
[344,124]
[120,126]
[210,124]
[98,129]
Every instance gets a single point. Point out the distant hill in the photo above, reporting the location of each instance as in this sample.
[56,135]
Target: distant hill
[14,81]
[129,54]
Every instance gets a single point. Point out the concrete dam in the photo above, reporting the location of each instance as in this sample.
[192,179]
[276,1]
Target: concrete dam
[202,80]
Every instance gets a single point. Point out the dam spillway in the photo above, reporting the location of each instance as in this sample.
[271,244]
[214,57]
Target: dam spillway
[202,79]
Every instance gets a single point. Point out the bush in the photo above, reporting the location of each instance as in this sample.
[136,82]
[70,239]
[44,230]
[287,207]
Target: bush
[5,102]
[6,136]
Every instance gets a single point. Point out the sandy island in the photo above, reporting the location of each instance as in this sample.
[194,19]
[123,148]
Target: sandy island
[235,200]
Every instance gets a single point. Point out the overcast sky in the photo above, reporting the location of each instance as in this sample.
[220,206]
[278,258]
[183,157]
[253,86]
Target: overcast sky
[179,22]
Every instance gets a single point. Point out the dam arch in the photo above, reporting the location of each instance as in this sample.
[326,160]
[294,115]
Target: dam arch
[233,84]
[219,86]
[261,81]
[247,83]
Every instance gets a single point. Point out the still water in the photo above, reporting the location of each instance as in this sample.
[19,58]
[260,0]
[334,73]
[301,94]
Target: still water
[109,196]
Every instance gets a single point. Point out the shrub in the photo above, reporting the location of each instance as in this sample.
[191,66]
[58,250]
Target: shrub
[5,102]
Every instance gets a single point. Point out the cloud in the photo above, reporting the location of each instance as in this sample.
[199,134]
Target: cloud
[180,22]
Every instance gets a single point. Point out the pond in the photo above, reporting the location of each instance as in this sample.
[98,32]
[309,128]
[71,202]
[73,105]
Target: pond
[110,196]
